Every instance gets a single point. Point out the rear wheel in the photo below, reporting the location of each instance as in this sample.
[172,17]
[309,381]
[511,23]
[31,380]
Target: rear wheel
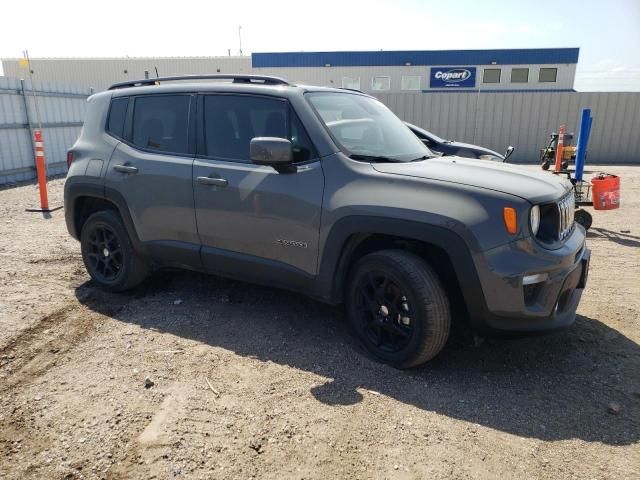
[108,254]
[398,308]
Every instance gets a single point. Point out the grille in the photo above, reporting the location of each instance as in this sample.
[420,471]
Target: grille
[566,208]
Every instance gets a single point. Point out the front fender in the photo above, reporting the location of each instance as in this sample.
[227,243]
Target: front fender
[347,233]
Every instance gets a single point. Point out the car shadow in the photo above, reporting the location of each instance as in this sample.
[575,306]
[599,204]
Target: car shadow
[554,387]
[620,238]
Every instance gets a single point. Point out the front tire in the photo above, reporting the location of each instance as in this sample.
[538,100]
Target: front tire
[108,253]
[398,308]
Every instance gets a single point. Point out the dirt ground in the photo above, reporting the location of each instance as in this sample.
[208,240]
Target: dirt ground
[252,382]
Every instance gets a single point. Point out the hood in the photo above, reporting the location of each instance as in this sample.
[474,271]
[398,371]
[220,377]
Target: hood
[536,187]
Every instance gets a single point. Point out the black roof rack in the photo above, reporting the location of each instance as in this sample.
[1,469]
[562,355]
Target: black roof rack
[256,79]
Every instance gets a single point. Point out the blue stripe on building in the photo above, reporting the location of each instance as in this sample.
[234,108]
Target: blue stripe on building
[412,57]
[494,90]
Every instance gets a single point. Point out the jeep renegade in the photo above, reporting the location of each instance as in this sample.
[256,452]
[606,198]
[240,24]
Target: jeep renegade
[326,192]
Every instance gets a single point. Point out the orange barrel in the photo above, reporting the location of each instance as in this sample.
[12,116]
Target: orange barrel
[606,191]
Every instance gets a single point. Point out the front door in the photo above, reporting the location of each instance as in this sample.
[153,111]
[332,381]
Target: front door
[254,222]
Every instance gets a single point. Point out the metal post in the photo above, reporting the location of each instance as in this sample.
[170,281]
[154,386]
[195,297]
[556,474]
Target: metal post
[583,138]
[475,127]
[26,112]
[33,90]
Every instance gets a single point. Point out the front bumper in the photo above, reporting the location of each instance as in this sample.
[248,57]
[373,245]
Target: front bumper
[511,307]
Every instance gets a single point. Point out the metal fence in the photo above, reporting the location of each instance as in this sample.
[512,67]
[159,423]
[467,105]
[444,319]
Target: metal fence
[58,110]
[494,120]
[526,119]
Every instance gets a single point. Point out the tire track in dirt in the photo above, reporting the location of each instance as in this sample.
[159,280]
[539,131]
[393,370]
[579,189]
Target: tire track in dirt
[40,347]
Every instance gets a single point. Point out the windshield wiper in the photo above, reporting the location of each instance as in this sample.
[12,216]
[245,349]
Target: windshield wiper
[423,157]
[371,158]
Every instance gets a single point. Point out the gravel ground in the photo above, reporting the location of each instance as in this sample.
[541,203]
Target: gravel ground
[192,376]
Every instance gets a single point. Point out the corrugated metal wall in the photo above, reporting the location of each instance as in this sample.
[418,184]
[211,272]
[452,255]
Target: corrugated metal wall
[525,120]
[60,111]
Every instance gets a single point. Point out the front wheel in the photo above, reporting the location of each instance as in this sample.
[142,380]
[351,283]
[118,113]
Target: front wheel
[398,308]
[108,254]
[583,218]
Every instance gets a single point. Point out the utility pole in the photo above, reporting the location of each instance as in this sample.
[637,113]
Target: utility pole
[240,37]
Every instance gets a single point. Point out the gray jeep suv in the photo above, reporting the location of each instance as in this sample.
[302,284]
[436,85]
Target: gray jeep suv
[326,192]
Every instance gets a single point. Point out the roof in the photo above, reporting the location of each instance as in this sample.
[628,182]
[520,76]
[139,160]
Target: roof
[416,57]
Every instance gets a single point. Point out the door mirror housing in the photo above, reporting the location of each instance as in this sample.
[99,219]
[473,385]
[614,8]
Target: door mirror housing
[273,151]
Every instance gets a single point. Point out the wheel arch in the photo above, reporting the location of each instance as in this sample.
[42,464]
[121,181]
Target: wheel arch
[445,250]
[83,199]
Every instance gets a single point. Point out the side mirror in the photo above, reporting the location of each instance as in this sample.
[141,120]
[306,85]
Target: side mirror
[273,151]
[508,153]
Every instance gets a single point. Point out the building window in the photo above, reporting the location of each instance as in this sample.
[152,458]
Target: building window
[519,75]
[411,82]
[351,82]
[380,83]
[491,75]
[548,75]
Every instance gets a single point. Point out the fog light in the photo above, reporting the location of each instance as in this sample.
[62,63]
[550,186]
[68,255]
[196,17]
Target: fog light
[536,278]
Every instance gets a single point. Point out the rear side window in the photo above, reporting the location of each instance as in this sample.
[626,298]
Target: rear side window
[161,123]
[230,122]
[117,115]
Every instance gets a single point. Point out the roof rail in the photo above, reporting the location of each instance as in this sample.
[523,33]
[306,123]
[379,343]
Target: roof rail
[257,79]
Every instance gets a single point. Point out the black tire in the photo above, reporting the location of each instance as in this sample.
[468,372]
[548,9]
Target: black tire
[108,253]
[583,218]
[398,308]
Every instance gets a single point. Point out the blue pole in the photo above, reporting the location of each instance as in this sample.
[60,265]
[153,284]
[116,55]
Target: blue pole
[583,141]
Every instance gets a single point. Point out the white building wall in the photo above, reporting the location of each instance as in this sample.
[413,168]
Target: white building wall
[100,73]
[333,76]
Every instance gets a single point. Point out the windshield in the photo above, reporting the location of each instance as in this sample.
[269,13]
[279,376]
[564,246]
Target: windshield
[365,129]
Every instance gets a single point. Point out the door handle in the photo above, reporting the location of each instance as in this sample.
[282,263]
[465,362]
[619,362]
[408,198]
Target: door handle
[218,182]
[125,168]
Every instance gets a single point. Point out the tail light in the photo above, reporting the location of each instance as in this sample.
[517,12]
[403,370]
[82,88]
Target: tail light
[69,158]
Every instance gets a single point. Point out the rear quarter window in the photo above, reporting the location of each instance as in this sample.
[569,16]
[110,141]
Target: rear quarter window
[117,115]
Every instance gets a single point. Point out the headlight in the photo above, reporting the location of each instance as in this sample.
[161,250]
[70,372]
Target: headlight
[491,157]
[534,219]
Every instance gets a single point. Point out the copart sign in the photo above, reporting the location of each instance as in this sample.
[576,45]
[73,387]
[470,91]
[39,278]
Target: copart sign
[453,77]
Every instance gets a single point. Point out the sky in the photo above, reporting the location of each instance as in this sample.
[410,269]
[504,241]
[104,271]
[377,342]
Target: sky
[608,33]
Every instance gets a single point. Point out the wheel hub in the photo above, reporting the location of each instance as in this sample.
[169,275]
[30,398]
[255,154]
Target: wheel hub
[385,313]
[105,252]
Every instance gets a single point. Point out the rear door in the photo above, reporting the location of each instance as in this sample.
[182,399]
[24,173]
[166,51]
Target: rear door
[254,222]
[152,170]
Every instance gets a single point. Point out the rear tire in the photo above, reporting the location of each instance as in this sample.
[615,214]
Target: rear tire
[108,253]
[398,308]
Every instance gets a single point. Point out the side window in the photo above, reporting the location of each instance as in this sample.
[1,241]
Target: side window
[161,122]
[117,115]
[231,121]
